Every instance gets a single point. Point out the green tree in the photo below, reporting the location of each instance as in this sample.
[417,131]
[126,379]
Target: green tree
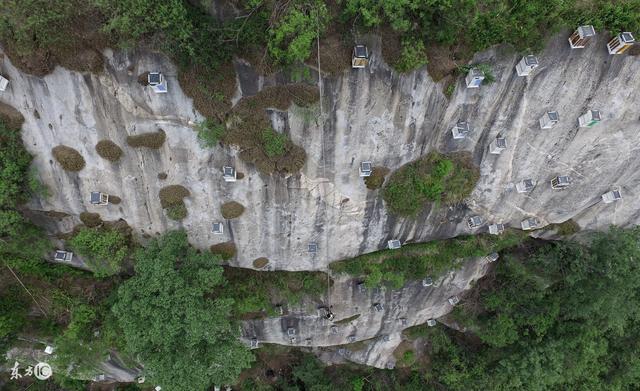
[561,319]
[22,244]
[291,38]
[184,339]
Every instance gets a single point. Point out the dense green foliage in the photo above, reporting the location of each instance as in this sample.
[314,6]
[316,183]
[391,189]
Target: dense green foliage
[478,25]
[36,24]
[177,212]
[103,249]
[433,178]
[286,31]
[184,339]
[210,132]
[291,38]
[412,55]
[419,260]
[274,143]
[256,293]
[23,245]
[13,314]
[565,317]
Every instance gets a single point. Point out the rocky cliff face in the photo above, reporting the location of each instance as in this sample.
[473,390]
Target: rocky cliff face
[368,114]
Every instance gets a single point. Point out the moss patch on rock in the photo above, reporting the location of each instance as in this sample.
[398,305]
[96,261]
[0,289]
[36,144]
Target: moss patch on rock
[69,158]
[231,210]
[249,128]
[109,150]
[152,140]
[91,220]
[177,212]
[376,179]
[173,195]
[225,250]
[259,263]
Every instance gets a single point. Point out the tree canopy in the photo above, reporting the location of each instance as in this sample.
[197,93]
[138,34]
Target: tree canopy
[565,317]
[184,338]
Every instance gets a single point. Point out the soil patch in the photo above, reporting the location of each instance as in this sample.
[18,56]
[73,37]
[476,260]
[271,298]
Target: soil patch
[69,158]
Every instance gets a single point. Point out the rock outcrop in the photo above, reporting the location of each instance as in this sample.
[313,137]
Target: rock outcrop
[371,114]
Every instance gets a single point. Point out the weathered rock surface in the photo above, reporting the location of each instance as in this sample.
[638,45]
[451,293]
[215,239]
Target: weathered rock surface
[412,305]
[370,114]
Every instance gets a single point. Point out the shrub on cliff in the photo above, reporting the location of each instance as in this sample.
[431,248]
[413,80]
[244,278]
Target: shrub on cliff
[231,210]
[109,150]
[69,158]
[152,140]
[226,250]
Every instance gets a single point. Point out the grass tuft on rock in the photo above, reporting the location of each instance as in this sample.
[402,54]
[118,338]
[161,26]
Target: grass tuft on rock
[259,263]
[152,140]
[91,220]
[432,178]
[114,199]
[109,150]
[231,210]
[173,195]
[376,179]
[69,158]
[225,250]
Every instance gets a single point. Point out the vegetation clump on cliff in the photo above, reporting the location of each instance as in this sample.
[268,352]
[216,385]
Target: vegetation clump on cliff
[152,140]
[103,249]
[419,260]
[231,210]
[250,128]
[256,293]
[376,179]
[225,250]
[109,150]
[171,199]
[433,178]
[69,158]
